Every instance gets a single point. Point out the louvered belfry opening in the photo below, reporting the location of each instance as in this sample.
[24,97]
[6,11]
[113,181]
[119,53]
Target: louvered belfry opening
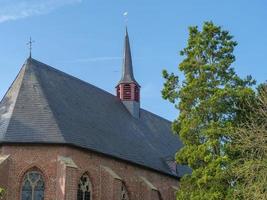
[128,92]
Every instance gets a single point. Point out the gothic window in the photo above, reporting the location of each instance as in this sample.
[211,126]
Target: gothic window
[124,193]
[84,188]
[33,186]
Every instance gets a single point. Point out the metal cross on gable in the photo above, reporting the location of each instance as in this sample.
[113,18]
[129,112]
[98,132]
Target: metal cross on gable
[30,43]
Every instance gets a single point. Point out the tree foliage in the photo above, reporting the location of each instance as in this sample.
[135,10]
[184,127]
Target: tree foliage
[207,99]
[249,144]
[2,191]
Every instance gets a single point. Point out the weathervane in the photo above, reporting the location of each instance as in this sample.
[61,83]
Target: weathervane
[125,14]
[30,46]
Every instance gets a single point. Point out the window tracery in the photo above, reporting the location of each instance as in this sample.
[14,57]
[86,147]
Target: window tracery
[33,186]
[124,193]
[84,188]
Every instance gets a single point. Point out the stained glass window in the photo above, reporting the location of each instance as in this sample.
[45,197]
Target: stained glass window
[124,193]
[33,186]
[84,188]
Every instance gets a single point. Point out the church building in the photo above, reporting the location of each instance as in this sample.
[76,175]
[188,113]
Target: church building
[64,139]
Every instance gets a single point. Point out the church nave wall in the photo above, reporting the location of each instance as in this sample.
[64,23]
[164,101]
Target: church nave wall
[68,170]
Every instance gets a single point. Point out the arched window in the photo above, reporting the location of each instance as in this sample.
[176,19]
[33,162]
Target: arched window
[84,188]
[124,193]
[33,186]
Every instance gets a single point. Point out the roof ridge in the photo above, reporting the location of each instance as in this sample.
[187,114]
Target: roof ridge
[19,75]
[46,99]
[73,77]
[12,83]
[87,83]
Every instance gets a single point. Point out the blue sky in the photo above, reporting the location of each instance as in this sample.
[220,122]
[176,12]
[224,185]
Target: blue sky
[85,38]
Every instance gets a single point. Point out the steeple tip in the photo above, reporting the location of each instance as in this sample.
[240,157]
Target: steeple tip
[127,67]
[128,90]
[126,31]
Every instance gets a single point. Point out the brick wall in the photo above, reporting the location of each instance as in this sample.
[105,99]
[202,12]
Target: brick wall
[63,166]
[4,170]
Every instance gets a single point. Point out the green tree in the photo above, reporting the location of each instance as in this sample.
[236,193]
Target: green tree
[249,144]
[207,99]
[2,191]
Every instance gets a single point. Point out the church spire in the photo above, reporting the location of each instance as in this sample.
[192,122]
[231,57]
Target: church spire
[127,67]
[128,90]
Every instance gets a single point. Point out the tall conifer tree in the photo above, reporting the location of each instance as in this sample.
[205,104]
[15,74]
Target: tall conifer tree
[207,99]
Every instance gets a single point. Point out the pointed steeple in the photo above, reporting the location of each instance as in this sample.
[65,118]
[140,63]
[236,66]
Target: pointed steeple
[127,67]
[128,90]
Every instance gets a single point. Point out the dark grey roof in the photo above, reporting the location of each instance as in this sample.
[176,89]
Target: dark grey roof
[127,66]
[45,105]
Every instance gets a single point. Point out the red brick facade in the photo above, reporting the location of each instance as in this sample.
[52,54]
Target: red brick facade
[63,166]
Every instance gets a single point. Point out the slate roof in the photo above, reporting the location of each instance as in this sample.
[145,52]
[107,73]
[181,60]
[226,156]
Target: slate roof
[45,105]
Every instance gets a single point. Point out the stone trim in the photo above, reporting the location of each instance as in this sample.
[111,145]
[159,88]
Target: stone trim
[3,158]
[111,172]
[149,184]
[68,162]
[66,178]
[174,188]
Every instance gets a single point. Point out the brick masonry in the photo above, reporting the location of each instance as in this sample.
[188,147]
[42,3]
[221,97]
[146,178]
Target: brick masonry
[62,167]
[4,166]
